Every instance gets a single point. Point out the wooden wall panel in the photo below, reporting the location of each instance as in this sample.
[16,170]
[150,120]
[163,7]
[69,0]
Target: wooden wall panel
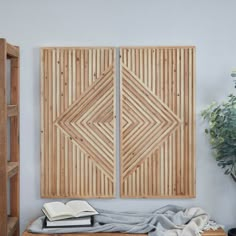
[77,122]
[157,122]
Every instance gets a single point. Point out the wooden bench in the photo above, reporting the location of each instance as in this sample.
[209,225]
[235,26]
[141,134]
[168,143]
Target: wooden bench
[218,232]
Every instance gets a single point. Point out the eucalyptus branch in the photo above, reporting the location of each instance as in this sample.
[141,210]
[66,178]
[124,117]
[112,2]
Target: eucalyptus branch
[222,132]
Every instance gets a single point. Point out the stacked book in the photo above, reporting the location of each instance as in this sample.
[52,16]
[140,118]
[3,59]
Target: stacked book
[75,213]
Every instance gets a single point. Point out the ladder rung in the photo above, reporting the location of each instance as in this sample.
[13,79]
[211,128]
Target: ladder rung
[12,51]
[12,110]
[11,225]
[12,168]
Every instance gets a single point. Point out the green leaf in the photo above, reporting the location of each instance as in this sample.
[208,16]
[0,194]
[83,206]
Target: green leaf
[221,129]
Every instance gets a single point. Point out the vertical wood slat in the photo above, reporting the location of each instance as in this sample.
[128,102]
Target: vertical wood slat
[72,154]
[178,92]
[54,131]
[14,140]
[49,111]
[66,101]
[3,138]
[193,122]
[181,141]
[186,120]
[162,87]
[58,110]
[62,136]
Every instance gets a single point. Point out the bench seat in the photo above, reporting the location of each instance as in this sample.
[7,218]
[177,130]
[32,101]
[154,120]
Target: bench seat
[218,232]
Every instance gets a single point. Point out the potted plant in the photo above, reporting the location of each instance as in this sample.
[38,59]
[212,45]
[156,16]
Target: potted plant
[222,132]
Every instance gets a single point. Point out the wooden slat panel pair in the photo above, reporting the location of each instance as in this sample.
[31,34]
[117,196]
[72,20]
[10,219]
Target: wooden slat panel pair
[79,115]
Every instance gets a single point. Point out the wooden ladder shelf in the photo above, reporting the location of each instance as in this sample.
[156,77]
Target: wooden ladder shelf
[9,162]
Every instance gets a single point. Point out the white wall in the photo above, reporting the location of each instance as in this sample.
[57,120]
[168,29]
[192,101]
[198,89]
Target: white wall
[209,25]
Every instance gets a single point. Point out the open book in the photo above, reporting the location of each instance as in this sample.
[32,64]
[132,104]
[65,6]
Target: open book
[75,208]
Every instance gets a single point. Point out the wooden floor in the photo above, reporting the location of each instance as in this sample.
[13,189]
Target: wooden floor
[218,232]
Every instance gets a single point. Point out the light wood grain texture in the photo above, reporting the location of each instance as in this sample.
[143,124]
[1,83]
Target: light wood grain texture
[12,168]
[9,225]
[157,122]
[12,110]
[12,51]
[218,232]
[13,225]
[77,122]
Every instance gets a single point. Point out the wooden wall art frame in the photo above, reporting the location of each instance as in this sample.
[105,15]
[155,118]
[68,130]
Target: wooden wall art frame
[78,122]
[157,122]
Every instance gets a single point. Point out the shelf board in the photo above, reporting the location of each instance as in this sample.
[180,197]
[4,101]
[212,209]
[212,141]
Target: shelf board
[12,51]
[218,232]
[12,168]
[12,225]
[12,110]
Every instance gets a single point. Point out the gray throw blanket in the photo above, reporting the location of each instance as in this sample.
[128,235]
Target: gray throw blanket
[166,221]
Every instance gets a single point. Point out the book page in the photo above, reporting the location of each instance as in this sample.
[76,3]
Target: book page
[81,208]
[55,209]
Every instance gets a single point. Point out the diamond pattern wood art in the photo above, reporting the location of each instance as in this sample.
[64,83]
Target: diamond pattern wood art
[157,122]
[78,121]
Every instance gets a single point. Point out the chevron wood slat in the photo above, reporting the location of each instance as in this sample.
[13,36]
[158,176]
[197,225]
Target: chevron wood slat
[157,122]
[77,122]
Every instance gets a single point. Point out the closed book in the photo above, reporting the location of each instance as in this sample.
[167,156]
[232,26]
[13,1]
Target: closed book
[71,222]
